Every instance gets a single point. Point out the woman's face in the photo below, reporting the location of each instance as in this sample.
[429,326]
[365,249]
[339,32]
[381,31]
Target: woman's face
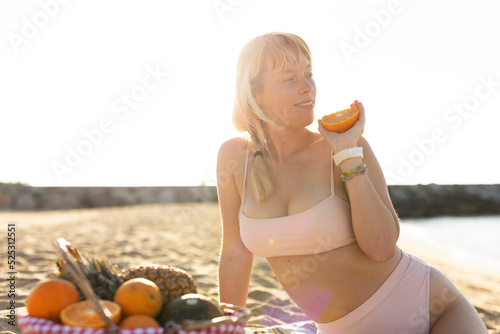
[288,96]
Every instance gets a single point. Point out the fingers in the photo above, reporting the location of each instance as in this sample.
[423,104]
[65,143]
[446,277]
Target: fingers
[358,104]
[321,128]
[323,131]
[361,109]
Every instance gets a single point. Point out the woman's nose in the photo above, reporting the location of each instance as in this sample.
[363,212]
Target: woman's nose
[306,86]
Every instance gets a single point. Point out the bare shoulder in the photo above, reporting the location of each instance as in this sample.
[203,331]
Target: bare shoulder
[363,142]
[233,147]
[231,160]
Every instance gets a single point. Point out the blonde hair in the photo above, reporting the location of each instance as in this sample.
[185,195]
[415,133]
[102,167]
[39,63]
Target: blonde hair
[283,49]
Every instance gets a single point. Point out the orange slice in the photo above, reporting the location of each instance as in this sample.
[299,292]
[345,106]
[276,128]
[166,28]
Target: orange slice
[340,121]
[82,314]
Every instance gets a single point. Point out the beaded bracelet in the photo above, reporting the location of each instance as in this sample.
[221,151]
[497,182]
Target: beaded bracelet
[349,172]
[359,172]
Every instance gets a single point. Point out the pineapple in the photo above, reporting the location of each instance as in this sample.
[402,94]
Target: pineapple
[173,282]
[104,276]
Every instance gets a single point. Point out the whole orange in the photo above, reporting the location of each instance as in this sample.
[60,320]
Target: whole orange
[49,298]
[139,296]
[139,321]
[340,121]
[83,314]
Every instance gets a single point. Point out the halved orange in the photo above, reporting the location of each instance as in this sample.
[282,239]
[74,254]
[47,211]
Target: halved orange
[82,314]
[340,121]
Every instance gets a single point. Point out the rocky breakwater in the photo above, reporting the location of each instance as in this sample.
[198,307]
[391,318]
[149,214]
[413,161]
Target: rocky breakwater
[409,200]
[446,200]
[25,198]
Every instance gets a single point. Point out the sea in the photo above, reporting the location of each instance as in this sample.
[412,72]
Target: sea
[474,240]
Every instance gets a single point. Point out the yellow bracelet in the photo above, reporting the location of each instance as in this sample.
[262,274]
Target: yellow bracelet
[349,172]
[359,172]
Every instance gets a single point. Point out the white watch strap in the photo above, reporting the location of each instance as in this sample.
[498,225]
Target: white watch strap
[353,152]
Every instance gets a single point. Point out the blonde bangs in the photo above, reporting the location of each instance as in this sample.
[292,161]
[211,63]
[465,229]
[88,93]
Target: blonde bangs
[286,52]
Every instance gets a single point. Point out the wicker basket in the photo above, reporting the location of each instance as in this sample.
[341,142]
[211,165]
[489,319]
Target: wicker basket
[233,322]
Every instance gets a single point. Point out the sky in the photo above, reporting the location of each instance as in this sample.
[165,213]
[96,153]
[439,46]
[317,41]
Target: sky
[140,93]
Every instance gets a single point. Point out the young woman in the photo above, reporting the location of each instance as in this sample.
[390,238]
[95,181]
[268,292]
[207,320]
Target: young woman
[316,206]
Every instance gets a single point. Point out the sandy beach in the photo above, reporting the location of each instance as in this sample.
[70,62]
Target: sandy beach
[186,236]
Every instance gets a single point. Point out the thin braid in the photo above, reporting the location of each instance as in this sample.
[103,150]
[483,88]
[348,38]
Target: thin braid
[262,176]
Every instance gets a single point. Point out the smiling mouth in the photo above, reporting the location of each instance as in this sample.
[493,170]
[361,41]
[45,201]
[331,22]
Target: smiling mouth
[305,104]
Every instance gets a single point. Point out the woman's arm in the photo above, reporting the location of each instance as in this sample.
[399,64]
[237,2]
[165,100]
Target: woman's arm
[374,220]
[235,265]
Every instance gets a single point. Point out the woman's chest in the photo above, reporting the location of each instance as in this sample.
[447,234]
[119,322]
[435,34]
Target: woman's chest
[298,188]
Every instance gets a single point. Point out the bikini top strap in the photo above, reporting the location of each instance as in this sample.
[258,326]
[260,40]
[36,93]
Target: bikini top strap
[244,180]
[332,183]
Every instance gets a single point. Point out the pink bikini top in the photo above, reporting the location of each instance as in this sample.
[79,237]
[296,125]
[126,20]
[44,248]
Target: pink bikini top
[324,227]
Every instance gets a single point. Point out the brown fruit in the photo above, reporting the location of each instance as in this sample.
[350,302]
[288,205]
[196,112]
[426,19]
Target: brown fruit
[191,306]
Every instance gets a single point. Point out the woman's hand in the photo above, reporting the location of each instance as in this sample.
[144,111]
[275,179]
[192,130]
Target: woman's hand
[348,139]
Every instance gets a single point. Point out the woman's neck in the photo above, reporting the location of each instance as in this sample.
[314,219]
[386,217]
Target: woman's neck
[284,144]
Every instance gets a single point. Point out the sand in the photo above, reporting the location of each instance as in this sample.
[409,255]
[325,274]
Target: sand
[186,236]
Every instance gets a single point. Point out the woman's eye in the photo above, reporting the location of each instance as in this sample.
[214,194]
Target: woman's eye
[310,75]
[288,79]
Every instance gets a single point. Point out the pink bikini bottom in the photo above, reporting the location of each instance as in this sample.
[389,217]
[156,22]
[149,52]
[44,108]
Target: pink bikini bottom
[399,306]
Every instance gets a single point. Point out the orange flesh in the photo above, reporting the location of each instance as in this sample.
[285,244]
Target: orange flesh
[340,121]
[82,314]
[339,116]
